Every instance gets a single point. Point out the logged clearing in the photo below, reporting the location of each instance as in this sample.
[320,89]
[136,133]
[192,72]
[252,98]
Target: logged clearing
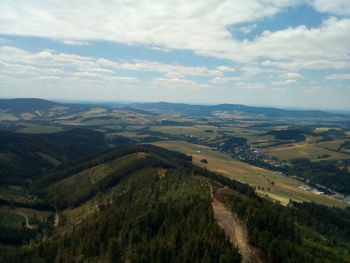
[234,229]
[269,183]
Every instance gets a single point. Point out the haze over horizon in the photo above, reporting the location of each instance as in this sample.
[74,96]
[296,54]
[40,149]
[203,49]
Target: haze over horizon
[254,52]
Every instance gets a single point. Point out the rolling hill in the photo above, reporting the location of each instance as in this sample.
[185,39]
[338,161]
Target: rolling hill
[209,110]
[24,157]
[70,197]
[143,203]
[30,105]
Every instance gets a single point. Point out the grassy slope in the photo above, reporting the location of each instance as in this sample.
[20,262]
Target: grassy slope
[282,190]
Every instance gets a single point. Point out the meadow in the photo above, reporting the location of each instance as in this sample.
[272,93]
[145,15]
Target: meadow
[267,183]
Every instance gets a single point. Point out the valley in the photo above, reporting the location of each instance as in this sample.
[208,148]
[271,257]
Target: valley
[138,175]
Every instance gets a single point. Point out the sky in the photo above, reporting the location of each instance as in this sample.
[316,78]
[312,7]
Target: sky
[287,53]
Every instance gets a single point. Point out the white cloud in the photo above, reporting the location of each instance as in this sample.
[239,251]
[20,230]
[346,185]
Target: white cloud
[52,62]
[250,85]
[250,71]
[219,80]
[162,24]
[91,72]
[170,70]
[339,7]
[98,70]
[300,47]
[247,29]
[285,82]
[175,83]
[225,68]
[312,64]
[292,75]
[160,49]
[74,42]
[338,76]
[56,71]
[125,79]
[22,65]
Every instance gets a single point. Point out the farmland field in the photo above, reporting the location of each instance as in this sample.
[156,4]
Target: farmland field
[313,151]
[36,128]
[282,189]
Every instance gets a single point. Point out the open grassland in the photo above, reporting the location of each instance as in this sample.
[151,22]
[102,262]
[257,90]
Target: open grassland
[14,217]
[324,129]
[94,112]
[332,145]
[33,213]
[196,130]
[314,151]
[276,186]
[9,217]
[36,128]
[104,118]
[15,193]
[128,134]
[238,131]
[7,117]
[257,139]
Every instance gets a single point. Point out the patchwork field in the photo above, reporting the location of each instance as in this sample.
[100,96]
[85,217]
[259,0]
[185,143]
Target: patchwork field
[268,183]
[196,130]
[314,151]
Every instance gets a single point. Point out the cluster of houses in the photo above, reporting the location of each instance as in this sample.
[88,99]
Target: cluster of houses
[327,191]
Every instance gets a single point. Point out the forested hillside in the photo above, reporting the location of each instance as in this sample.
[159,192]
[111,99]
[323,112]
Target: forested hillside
[147,204]
[27,156]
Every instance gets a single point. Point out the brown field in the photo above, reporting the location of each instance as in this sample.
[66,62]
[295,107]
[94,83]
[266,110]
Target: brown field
[281,190]
[196,130]
[8,117]
[313,151]
[322,129]
[332,145]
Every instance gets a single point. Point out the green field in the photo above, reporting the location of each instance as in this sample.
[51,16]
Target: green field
[282,189]
[36,128]
[314,151]
[204,131]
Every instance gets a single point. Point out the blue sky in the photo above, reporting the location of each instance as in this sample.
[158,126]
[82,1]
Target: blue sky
[256,52]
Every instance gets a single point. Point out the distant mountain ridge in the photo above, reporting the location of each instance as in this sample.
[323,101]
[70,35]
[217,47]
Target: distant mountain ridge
[31,105]
[250,110]
[26,105]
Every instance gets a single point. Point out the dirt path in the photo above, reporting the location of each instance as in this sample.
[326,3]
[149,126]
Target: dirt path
[56,219]
[29,226]
[234,229]
[211,190]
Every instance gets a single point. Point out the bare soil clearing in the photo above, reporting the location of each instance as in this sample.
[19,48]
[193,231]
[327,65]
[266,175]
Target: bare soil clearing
[234,229]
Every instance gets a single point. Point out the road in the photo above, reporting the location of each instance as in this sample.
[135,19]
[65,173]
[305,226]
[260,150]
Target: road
[29,226]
